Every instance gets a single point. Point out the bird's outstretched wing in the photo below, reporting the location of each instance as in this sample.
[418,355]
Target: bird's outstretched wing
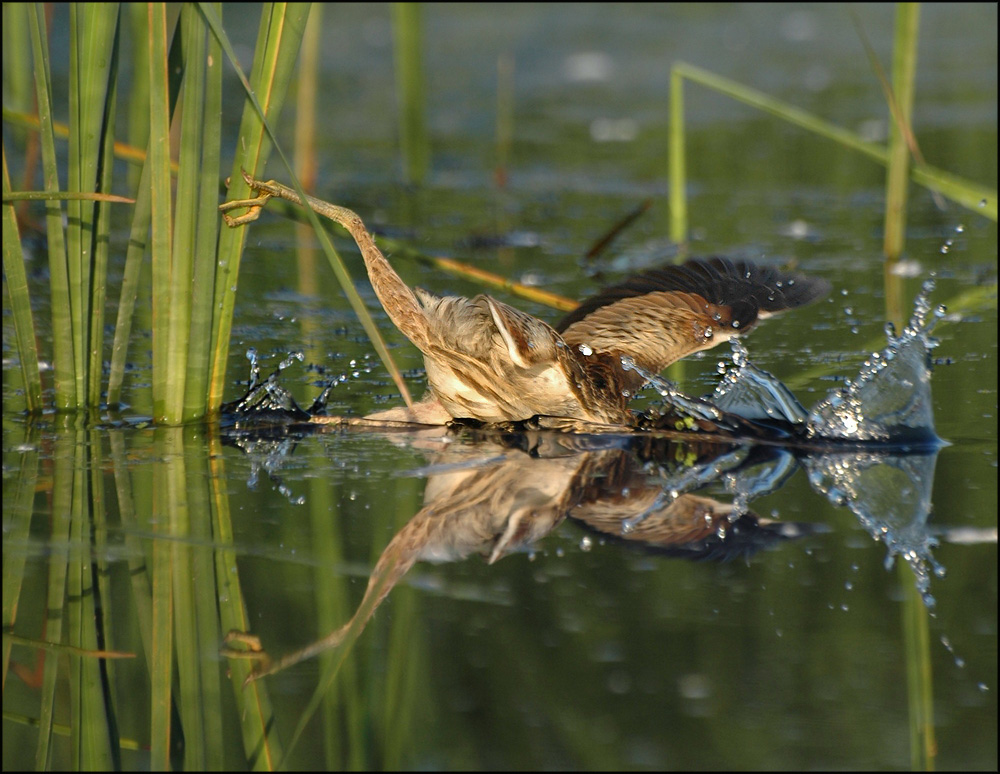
[665,314]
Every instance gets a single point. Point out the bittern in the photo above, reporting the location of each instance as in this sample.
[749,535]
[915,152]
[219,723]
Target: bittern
[488,361]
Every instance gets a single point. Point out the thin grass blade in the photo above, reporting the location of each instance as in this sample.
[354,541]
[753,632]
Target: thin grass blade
[62,333]
[159,163]
[260,740]
[20,303]
[202,310]
[410,90]
[976,197]
[904,68]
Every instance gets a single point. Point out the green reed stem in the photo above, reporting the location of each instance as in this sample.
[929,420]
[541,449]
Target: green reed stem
[93,29]
[161,203]
[904,67]
[206,238]
[185,220]
[919,671]
[102,236]
[278,40]
[677,162]
[20,301]
[411,91]
[62,326]
[976,197]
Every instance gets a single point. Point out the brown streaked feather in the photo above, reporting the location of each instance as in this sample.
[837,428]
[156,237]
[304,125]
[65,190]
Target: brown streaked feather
[750,290]
[529,340]
[488,361]
[479,325]
[654,329]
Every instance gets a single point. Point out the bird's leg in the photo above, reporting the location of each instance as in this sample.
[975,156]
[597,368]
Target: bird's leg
[254,206]
[395,561]
[254,652]
[397,299]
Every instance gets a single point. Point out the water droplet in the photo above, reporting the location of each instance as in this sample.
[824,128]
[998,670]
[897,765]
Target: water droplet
[585,350]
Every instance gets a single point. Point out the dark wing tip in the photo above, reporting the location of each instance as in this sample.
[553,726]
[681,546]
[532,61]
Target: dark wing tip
[748,288]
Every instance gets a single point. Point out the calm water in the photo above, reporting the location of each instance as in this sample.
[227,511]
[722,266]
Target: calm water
[580,651]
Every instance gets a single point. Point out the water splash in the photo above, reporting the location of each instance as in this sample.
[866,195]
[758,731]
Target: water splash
[266,399]
[753,393]
[891,397]
[890,494]
[672,396]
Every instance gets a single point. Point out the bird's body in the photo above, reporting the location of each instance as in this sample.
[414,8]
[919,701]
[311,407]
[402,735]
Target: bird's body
[487,361]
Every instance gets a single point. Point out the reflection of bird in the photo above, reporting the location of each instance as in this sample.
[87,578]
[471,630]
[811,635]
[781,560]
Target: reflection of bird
[482,498]
[495,497]
[487,361]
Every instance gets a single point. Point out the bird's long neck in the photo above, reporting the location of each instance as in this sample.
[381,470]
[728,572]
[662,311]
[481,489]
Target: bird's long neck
[398,300]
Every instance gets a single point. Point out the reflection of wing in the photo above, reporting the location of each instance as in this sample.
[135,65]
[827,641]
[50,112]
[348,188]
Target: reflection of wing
[691,527]
[665,314]
[687,519]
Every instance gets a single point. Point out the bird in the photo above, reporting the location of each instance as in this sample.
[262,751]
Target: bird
[490,362]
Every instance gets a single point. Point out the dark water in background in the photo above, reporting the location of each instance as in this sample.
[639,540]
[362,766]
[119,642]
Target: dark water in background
[585,653]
